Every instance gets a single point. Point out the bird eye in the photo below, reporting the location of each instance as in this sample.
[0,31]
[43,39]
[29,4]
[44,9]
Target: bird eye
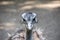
[34,19]
[24,20]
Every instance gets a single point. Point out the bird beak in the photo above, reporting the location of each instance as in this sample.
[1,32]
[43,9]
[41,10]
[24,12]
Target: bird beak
[30,26]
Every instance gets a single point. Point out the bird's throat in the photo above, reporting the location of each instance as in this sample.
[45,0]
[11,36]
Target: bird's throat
[28,34]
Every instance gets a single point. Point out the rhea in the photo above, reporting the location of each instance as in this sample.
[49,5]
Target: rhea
[29,19]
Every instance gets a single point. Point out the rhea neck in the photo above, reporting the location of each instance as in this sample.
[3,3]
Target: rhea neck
[28,34]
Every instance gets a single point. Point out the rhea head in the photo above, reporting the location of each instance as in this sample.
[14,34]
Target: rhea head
[29,18]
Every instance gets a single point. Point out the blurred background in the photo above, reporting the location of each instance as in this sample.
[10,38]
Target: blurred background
[48,12]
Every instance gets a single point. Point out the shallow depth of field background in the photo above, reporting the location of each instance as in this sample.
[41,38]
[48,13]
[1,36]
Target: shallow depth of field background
[48,12]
